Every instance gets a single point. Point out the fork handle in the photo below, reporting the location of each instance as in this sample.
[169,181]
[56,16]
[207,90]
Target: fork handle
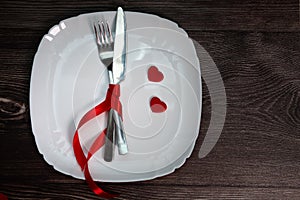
[110,138]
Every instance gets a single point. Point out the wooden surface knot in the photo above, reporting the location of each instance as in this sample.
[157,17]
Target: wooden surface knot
[11,110]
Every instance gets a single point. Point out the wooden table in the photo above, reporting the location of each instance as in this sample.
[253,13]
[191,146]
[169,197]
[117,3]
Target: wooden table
[256,47]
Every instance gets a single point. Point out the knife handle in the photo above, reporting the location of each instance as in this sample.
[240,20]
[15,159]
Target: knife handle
[120,134]
[109,138]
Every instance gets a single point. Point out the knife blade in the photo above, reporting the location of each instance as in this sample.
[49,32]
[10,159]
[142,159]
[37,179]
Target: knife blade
[120,39]
[119,66]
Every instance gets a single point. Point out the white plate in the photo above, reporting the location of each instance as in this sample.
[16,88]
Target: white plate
[68,79]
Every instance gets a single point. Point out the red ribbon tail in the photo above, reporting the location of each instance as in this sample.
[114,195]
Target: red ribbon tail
[111,101]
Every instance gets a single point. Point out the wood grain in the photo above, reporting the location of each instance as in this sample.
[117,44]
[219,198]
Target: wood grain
[256,15]
[60,191]
[255,45]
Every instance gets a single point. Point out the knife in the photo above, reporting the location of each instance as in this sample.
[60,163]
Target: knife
[118,74]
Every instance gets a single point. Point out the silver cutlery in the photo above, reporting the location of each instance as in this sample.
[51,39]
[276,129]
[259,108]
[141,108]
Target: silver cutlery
[112,53]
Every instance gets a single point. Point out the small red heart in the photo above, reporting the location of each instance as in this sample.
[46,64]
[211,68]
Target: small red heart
[157,106]
[154,74]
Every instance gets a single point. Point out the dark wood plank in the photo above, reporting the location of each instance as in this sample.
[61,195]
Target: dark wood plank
[60,191]
[264,15]
[256,47]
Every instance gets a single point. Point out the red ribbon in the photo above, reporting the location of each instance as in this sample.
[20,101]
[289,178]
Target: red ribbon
[3,197]
[111,101]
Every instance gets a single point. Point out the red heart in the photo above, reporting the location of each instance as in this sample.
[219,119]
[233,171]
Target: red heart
[157,106]
[154,74]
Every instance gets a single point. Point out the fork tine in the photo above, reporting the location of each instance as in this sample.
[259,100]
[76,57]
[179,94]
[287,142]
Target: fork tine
[105,34]
[109,33]
[101,29]
[97,35]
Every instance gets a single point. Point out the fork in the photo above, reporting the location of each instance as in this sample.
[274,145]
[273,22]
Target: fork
[105,44]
